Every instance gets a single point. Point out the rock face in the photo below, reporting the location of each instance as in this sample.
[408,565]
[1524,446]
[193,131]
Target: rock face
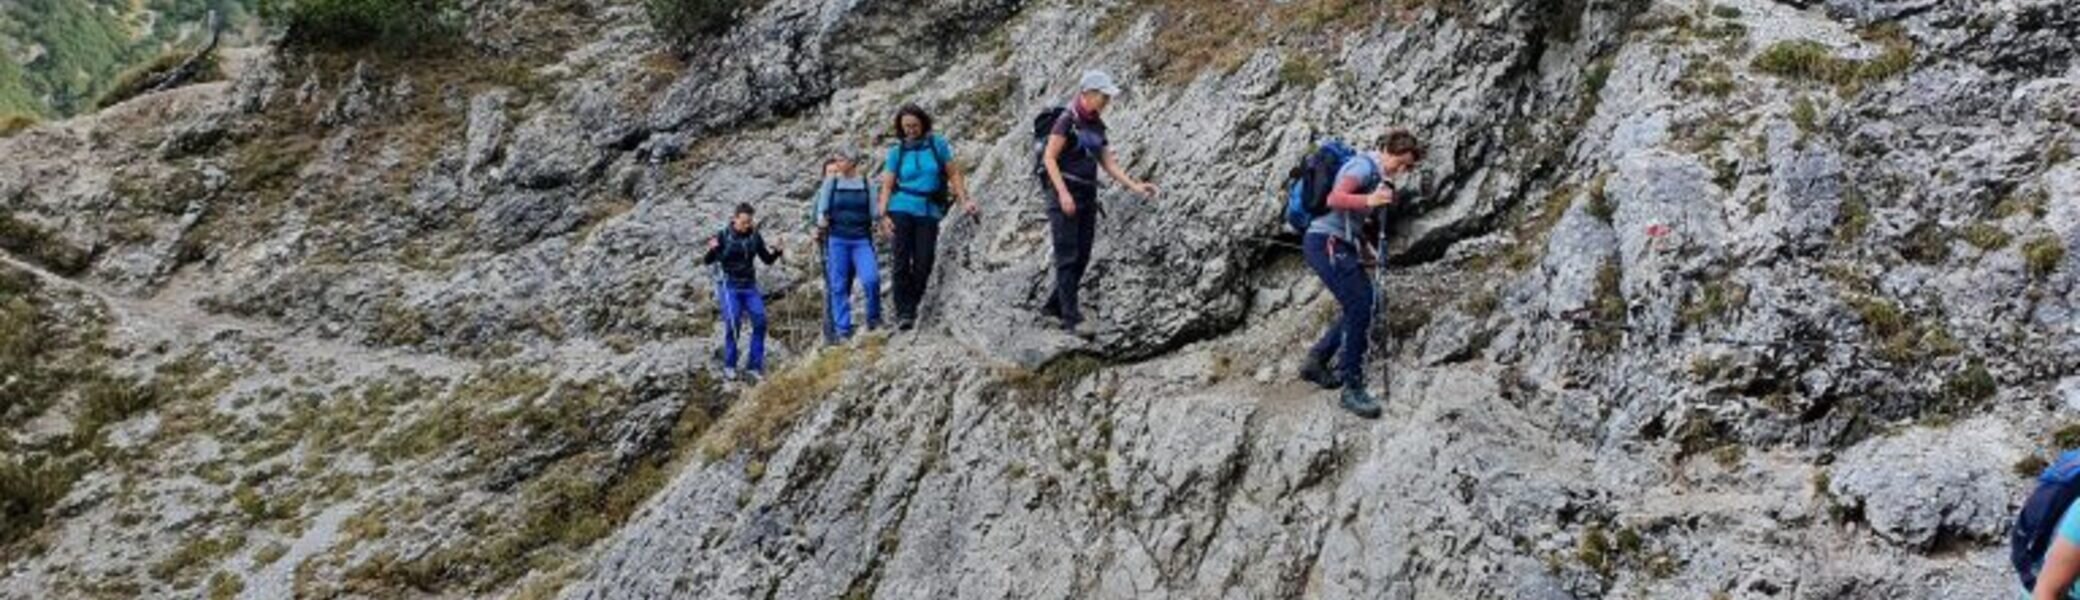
[1745,299]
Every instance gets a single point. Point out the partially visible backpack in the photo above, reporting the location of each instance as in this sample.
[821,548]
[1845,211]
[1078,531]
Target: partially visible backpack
[941,198]
[1308,184]
[2035,526]
[1043,126]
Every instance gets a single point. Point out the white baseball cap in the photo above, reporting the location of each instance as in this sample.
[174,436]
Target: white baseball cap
[1099,81]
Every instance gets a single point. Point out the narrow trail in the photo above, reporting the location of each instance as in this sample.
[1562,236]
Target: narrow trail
[174,319]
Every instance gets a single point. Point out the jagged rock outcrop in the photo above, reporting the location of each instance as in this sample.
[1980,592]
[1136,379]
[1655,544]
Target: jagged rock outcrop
[1744,299]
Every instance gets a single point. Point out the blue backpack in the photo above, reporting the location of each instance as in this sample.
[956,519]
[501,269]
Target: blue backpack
[2034,527]
[1308,184]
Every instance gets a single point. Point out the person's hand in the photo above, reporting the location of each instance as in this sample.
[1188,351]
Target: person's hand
[1067,202]
[1146,189]
[968,206]
[1383,197]
[888,226]
[713,242]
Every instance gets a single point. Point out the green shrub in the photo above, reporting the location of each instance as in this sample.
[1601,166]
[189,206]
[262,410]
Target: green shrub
[1969,388]
[1806,115]
[1854,219]
[40,246]
[1300,72]
[1986,236]
[13,123]
[2043,255]
[27,491]
[1813,61]
[137,80]
[347,24]
[683,22]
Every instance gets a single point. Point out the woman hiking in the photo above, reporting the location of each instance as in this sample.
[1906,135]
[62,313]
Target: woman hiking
[734,250]
[1076,149]
[920,182]
[845,216]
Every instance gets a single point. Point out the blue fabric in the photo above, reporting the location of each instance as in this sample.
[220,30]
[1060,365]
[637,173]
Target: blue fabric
[1342,224]
[916,166]
[2068,530]
[847,258]
[1336,264]
[848,205]
[740,303]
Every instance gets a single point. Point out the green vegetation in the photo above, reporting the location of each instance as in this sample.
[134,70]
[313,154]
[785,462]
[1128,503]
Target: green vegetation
[225,586]
[27,492]
[1593,82]
[2066,438]
[1986,236]
[757,422]
[1806,115]
[86,43]
[138,80]
[40,246]
[1813,61]
[2034,202]
[1608,308]
[1854,220]
[351,24]
[1707,77]
[1968,388]
[196,553]
[2030,466]
[1926,244]
[2043,255]
[1197,36]
[1053,378]
[13,123]
[684,22]
[1301,72]
[1713,300]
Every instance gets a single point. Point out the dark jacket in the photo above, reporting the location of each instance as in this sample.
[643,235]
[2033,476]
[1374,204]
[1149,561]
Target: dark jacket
[736,253]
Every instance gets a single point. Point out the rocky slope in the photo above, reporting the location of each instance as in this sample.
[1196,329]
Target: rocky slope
[1748,299]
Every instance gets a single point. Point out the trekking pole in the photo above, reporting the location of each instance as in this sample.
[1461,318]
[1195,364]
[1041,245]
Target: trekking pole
[729,321]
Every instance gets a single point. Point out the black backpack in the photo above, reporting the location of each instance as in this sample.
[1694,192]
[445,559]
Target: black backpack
[2035,525]
[1043,126]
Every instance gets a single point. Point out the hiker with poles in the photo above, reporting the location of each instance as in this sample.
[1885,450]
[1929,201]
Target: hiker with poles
[845,215]
[1072,150]
[1337,189]
[734,252]
[920,183]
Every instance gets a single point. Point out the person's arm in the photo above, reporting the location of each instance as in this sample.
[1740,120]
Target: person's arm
[714,250]
[765,253]
[956,179]
[823,203]
[1111,165]
[2061,566]
[1345,195]
[888,189]
[1052,158]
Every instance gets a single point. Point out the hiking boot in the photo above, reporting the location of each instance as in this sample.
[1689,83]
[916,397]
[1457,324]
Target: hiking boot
[1316,371]
[754,376]
[1360,403]
[729,374]
[906,324]
[1080,329]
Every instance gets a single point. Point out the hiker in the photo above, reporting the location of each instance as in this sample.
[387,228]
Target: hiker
[2044,544]
[845,217]
[1075,150]
[921,181]
[734,249]
[1333,245]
